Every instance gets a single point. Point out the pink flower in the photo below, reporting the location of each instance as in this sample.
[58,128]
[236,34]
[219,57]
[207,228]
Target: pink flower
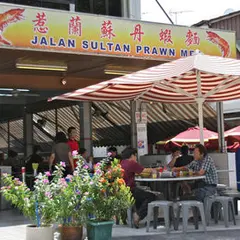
[62,180]
[75,153]
[98,172]
[63,164]
[91,183]
[45,181]
[48,174]
[18,183]
[16,179]
[86,193]
[98,164]
[48,194]
[69,176]
[85,167]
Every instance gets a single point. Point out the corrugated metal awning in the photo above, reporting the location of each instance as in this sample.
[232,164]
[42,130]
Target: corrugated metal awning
[111,123]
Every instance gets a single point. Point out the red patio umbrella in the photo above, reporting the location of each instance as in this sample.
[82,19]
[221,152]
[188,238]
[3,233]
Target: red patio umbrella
[192,135]
[234,132]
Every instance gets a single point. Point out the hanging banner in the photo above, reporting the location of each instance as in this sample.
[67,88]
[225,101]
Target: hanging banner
[61,31]
[142,142]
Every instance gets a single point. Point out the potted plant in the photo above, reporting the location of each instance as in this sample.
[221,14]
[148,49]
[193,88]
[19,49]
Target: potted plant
[106,195]
[38,205]
[69,213]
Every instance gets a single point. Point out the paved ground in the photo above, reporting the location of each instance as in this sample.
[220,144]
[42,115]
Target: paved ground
[12,227]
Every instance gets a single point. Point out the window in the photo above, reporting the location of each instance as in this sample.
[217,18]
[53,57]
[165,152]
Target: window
[115,8]
[83,6]
[103,7]
[54,4]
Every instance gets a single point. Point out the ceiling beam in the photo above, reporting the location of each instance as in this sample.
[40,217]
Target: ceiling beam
[42,130]
[12,100]
[45,82]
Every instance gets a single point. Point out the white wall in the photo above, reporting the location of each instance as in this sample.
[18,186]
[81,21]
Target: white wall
[226,161]
[229,106]
[99,152]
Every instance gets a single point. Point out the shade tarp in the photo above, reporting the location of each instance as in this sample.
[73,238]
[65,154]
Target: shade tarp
[173,82]
[198,78]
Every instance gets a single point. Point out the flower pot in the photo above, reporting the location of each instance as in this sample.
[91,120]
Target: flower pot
[71,233]
[99,230]
[38,233]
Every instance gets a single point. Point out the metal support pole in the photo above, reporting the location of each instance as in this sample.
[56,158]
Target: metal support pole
[28,133]
[8,135]
[86,126]
[200,100]
[220,125]
[56,120]
[200,118]
[133,125]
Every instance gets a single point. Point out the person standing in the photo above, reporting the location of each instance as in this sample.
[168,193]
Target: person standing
[72,139]
[35,158]
[61,152]
[203,165]
[72,142]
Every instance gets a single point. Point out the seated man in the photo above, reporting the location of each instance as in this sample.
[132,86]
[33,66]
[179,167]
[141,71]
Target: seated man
[175,154]
[113,152]
[202,165]
[142,197]
[185,158]
[181,161]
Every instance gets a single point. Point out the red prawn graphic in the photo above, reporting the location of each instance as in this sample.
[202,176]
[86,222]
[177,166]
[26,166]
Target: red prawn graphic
[220,42]
[7,18]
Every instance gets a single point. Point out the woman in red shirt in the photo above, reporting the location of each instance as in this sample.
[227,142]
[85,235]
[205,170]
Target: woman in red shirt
[72,142]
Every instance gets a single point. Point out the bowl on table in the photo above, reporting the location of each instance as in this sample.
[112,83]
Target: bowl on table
[145,175]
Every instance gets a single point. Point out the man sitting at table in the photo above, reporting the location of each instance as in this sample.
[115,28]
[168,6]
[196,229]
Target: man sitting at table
[185,158]
[142,197]
[202,165]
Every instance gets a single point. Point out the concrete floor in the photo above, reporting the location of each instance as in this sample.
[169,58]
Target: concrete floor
[12,227]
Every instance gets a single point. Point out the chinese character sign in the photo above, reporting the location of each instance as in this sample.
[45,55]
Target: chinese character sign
[107,30]
[137,33]
[165,36]
[23,27]
[192,38]
[40,23]
[75,26]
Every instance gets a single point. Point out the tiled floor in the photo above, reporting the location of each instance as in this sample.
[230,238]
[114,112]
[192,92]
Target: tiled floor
[12,227]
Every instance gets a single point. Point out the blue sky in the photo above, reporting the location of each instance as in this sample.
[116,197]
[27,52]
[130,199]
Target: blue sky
[201,10]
